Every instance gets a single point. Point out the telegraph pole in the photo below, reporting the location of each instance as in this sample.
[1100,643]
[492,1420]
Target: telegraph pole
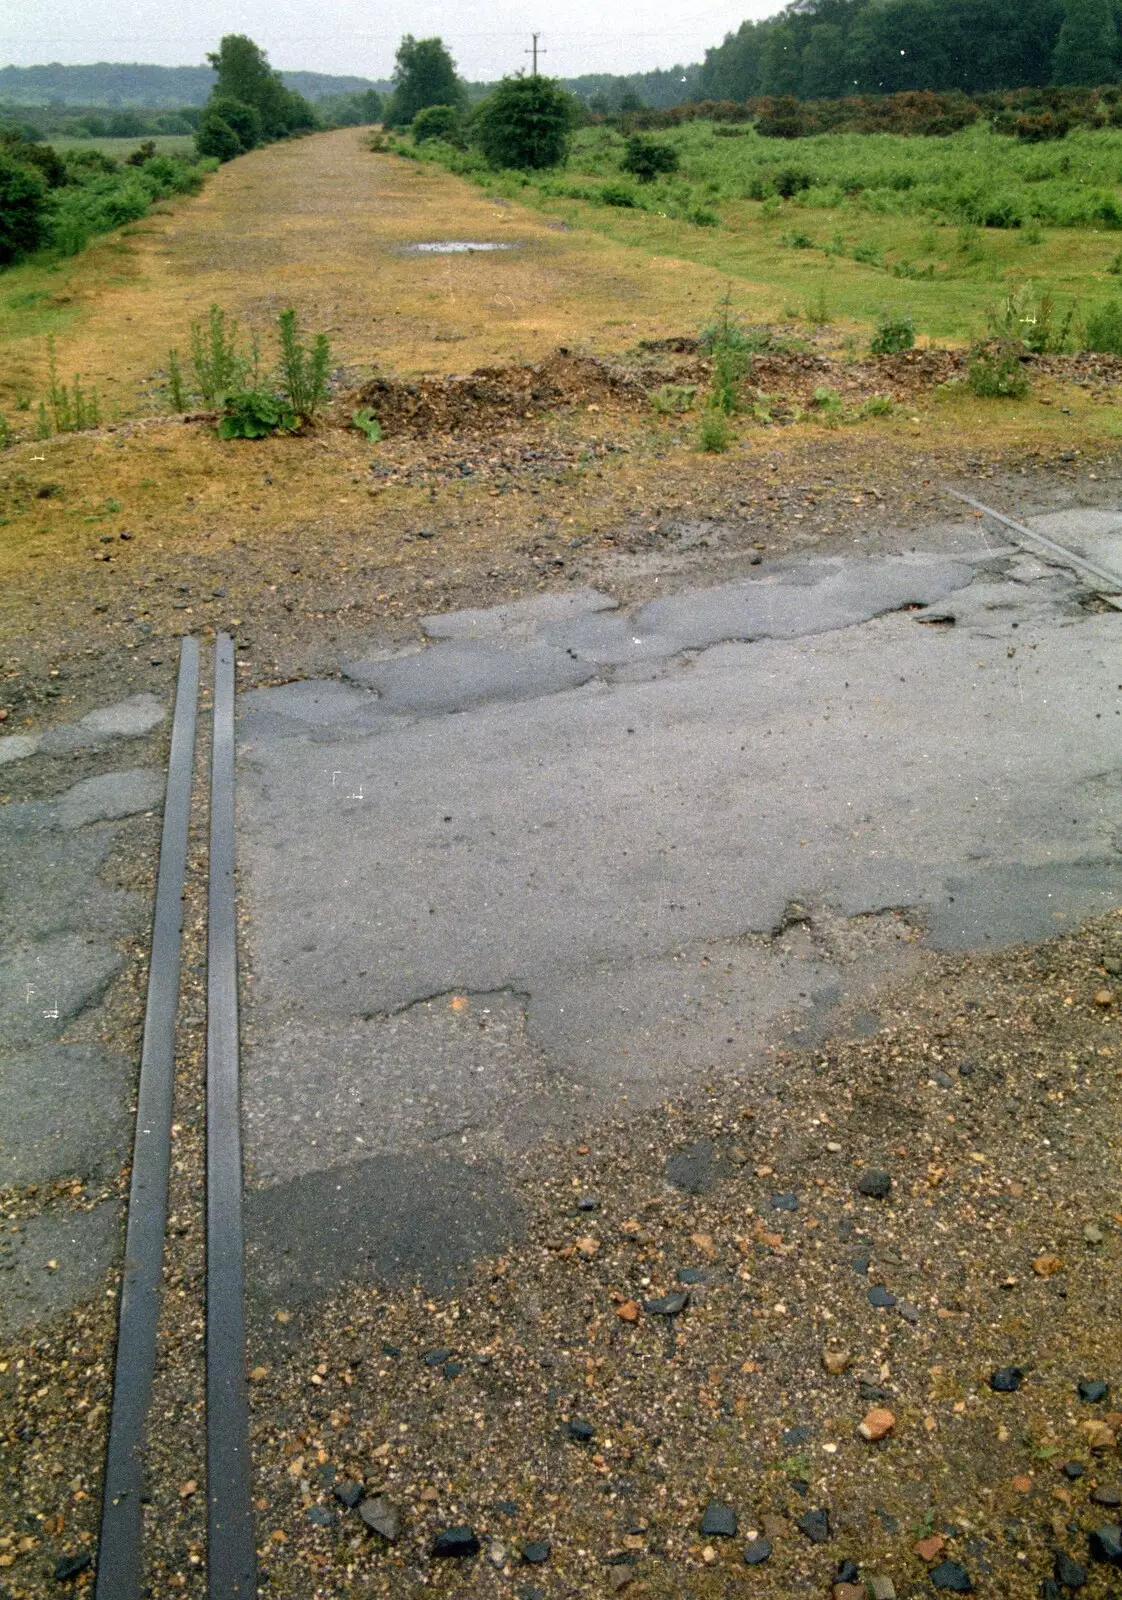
[535,52]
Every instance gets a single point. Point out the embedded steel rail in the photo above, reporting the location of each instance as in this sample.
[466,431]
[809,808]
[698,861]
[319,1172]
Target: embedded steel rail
[119,1546]
[1107,584]
[231,1555]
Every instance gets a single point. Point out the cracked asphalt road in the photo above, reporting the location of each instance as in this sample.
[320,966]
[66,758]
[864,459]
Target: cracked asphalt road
[565,859]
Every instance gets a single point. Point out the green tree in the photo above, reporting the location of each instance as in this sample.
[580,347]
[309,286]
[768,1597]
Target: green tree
[245,76]
[526,122]
[425,76]
[23,198]
[1087,49]
[781,67]
[823,63]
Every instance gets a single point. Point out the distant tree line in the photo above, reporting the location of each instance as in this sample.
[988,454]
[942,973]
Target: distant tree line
[130,85]
[822,49]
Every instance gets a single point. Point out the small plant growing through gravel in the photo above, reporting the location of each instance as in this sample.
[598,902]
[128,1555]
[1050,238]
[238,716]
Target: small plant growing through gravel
[828,404]
[303,372]
[997,374]
[73,408]
[5,432]
[219,365]
[714,435]
[674,398]
[894,332]
[176,394]
[817,311]
[366,422]
[1031,319]
[731,349]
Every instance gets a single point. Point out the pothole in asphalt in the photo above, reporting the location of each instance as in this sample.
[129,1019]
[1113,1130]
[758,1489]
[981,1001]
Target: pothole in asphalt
[453,247]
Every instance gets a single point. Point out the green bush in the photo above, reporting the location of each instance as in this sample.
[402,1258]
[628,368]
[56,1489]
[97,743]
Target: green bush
[438,122]
[618,194]
[216,138]
[996,374]
[244,119]
[895,332]
[1104,329]
[23,209]
[526,122]
[647,159]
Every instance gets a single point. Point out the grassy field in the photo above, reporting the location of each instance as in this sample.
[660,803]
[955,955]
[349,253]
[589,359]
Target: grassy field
[167,144]
[850,226]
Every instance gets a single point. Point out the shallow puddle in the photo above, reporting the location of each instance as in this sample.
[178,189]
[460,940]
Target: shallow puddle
[452,247]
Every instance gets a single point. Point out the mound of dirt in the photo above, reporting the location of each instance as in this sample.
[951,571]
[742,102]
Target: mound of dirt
[481,400]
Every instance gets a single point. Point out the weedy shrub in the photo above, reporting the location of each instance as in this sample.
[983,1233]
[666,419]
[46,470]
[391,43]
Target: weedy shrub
[714,435]
[895,332]
[617,194]
[868,255]
[647,159]
[5,432]
[366,422]
[177,397]
[254,414]
[996,374]
[219,366]
[702,217]
[877,405]
[71,408]
[1103,332]
[828,404]
[796,241]
[674,398]
[817,310]
[1031,319]
[1115,265]
[438,122]
[731,348]
[303,372]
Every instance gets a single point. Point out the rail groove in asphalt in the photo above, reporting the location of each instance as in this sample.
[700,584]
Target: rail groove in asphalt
[1107,585]
[119,1545]
[231,1556]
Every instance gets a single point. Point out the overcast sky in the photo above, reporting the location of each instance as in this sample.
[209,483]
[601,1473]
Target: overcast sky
[357,37]
[486,37]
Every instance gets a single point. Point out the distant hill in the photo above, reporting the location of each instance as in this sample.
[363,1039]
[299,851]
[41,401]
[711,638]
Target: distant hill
[118,84]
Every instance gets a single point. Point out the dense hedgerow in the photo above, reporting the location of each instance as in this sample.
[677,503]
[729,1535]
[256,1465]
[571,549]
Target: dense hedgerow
[59,202]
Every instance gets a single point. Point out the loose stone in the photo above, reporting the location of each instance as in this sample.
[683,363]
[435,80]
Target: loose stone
[1093,1390]
[881,1297]
[536,1551]
[876,1424]
[1006,1380]
[1106,1543]
[881,1588]
[836,1362]
[784,1202]
[1073,1470]
[321,1516]
[668,1305]
[949,1575]
[68,1567]
[719,1521]
[381,1516]
[453,1542]
[582,1432]
[1106,1495]
[348,1493]
[436,1358]
[875,1184]
[849,1591]
[815,1525]
[847,1572]
[757,1552]
[1068,1572]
